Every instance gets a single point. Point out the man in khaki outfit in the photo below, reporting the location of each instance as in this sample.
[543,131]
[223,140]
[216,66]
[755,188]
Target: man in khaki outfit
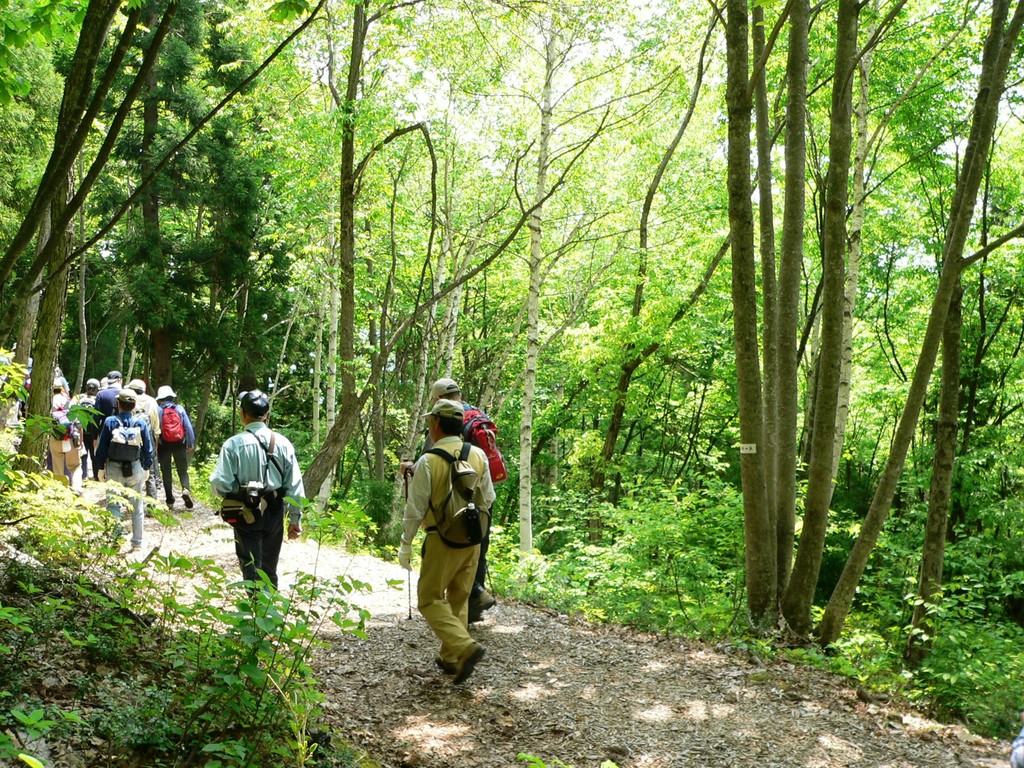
[446,574]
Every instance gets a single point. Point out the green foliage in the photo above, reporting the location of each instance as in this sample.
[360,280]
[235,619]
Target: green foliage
[974,672]
[175,656]
[665,561]
[26,24]
[536,762]
[343,522]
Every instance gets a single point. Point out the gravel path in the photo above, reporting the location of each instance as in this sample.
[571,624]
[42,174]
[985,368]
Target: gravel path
[562,689]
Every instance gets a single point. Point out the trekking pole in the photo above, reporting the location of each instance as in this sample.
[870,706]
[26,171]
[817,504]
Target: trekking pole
[408,589]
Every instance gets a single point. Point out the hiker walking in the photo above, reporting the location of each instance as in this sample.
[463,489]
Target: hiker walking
[145,406]
[124,453]
[176,443]
[447,572]
[258,466]
[92,428]
[106,398]
[479,430]
[65,438]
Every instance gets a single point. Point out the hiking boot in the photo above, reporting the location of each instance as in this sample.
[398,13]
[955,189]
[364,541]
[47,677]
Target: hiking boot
[465,667]
[186,496]
[170,502]
[446,666]
[478,603]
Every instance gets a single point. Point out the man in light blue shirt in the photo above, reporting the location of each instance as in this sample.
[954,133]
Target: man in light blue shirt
[259,465]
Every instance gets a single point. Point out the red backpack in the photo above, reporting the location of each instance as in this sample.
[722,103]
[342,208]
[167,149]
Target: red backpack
[478,429]
[172,429]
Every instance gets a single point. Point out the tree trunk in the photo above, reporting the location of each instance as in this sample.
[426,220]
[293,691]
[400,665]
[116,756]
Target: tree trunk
[83,326]
[533,305]
[999,47]
[325,462]
[760,564]
[450,324]
[769,288]
[796,604]
[47,342]
[853,261]
[331,384]
[161,337]
[790,276]
[318,361]
[934,550]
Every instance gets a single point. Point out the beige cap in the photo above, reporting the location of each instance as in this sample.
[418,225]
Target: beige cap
[446,409]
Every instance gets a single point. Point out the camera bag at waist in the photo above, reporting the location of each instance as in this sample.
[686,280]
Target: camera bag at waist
[250,503]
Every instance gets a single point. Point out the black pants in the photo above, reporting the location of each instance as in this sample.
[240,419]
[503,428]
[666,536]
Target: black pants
[258,544]
[89,468]
[179,453]
[481,567]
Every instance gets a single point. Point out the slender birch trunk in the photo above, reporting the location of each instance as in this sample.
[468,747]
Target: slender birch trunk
[533,305]
[853,261]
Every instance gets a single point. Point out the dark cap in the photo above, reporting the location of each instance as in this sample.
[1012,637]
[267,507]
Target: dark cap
[254,403]
[114,376]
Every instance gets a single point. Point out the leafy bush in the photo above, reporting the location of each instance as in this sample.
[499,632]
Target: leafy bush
[664,561]
[175,658]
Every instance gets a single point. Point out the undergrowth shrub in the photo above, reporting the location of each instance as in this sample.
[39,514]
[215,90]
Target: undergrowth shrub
[665,561]
[166,661]
[974,670]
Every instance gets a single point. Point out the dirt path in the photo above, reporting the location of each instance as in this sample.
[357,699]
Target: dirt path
[565,690]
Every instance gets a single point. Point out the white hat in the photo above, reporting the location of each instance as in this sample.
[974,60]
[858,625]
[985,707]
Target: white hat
[165,392]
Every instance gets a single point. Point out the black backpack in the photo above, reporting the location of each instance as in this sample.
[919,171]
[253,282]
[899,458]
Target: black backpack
[458,522]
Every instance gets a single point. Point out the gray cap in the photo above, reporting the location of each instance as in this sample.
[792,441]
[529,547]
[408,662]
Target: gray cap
[444,388]
[126,396]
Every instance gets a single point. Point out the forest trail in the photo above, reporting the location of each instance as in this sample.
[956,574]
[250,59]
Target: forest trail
[562,689]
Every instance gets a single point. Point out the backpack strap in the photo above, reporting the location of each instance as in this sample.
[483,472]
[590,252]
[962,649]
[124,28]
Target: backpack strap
[450,458]
[269,450]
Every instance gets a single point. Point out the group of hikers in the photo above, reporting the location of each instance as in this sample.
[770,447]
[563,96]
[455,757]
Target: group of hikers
[117,433]
[449,488]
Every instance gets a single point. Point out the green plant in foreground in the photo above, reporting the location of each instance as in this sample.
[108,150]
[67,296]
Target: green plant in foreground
[181,659]
[536,762]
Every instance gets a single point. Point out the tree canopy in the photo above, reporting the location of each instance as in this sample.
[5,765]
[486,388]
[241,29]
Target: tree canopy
[737,283]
